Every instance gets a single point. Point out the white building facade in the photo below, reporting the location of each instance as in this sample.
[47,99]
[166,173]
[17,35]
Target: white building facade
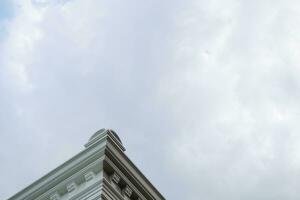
[100,171]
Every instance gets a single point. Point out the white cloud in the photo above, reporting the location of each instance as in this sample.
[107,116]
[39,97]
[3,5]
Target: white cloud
[233,106]
[213,84]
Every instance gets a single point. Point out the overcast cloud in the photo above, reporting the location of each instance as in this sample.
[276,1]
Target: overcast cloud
[204,94]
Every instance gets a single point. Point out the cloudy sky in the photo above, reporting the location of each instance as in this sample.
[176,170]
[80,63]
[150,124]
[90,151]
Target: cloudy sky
[204,94]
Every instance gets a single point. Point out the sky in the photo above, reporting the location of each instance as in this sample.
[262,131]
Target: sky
[6,11]
[205,95]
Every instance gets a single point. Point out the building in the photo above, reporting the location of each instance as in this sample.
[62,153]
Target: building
[100,171]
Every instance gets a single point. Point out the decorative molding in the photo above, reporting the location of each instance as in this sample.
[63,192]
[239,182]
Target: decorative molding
[120,162]
[128,191]
[109,191]
[42,188]
[92,192]
[125,179]
[89,176]
[62,185]
[79,175]
[54,196]
[115,178]
[71,187]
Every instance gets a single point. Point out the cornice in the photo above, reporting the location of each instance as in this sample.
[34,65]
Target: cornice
[106,134]
[93,190]
[125,168]
[109,192]
[61,173]
[75,179]
[69,185]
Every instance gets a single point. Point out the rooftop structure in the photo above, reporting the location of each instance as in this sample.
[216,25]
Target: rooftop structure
[100,171]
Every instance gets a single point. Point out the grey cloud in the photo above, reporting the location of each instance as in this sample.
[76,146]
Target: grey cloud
[204,95]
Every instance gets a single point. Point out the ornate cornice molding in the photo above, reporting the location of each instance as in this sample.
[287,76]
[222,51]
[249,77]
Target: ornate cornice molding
[101,167]
[129,172]
[62,173]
